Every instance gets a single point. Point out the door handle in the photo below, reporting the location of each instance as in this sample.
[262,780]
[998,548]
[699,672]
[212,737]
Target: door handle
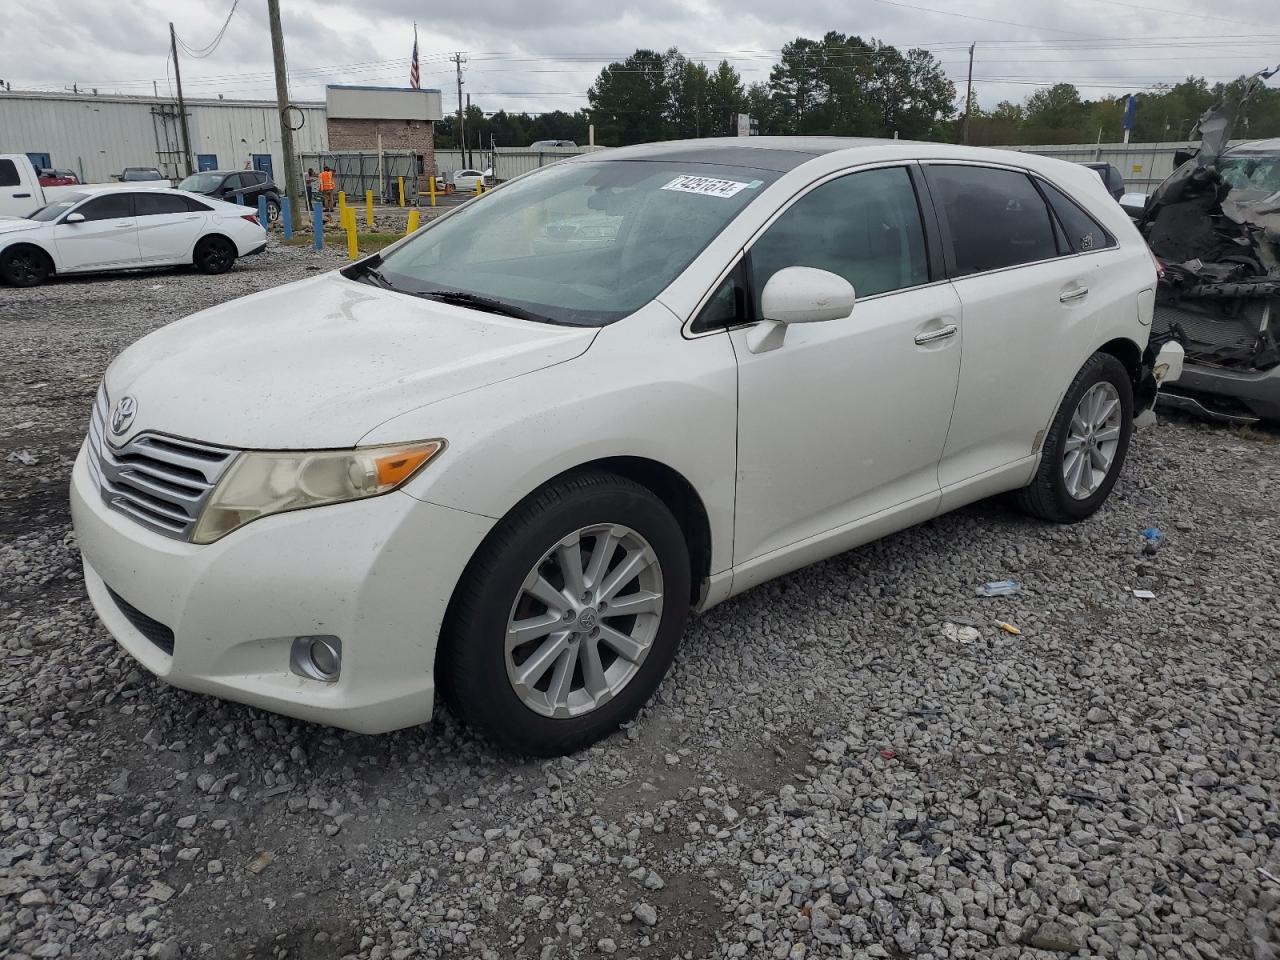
[21,196]
[1071,296]
[933,336]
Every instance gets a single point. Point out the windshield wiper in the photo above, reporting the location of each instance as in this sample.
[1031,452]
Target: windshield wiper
[375,276]
[488,304]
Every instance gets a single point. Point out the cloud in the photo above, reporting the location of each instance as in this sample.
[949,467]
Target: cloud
[540,56]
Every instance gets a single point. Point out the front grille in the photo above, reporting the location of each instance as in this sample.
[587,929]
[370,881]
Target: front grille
[161,482]
[152,629]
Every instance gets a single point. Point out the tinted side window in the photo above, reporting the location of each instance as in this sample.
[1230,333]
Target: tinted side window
[195,206]
[864,227]
[233,182]
[1083,232]
[151,204]
[996,218]
[109,206]
[9,174]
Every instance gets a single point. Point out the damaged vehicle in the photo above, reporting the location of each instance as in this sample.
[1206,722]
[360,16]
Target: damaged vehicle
[1214,226]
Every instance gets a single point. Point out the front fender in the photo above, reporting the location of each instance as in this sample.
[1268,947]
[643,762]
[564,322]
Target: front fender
[640,390]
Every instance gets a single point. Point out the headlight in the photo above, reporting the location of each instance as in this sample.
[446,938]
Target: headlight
[260,484]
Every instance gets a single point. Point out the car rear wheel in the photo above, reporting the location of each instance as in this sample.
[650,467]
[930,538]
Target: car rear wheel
[273,210]
[1085,447]
[214,255]
[25,266]
[568,617]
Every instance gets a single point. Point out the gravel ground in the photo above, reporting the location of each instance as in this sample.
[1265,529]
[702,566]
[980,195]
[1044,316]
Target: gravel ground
[830,770]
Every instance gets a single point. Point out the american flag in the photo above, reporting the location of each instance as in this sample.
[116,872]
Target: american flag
[413,65]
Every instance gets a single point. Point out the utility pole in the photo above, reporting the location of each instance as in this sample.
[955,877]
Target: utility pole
[182,104]
[462,131]
[471,159]
[968,95]
[282,102]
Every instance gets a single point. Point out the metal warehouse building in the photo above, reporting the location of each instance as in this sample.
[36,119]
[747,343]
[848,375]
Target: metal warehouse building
[98,136]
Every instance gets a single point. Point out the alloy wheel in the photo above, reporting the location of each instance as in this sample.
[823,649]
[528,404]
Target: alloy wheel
[584,620]
[1092,439]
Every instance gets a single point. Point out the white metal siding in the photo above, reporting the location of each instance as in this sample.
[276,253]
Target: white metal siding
[100,136]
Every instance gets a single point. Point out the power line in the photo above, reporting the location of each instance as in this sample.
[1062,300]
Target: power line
[199,53]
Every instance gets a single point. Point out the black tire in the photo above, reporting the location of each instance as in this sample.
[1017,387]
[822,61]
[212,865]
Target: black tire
[472,666]
[1047,496]
[273,210]
[214,255]
[25,266]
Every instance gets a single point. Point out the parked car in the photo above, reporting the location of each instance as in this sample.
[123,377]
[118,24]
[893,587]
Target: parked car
[464,181]
[21,190]
[1112,178]
[136,174]
[123,230]
[1215,225]
[509,471]
[243,186]
[58,178]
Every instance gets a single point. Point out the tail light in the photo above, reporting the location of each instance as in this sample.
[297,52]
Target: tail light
[252,218]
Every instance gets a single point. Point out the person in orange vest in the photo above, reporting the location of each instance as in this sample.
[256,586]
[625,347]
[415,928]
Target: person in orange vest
[327,186]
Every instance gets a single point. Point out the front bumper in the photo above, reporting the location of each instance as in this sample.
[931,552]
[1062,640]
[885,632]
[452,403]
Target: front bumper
[376,573]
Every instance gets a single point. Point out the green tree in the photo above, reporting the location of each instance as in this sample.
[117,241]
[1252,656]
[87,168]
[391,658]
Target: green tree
[630,101]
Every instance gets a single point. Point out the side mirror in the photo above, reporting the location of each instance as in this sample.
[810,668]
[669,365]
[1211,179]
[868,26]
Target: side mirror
[799,295]
[74,218]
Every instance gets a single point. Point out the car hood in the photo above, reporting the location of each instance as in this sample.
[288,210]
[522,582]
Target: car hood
[14,224]
[321,362]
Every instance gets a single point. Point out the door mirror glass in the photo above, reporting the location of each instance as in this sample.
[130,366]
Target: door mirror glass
[74,218]
[806,295]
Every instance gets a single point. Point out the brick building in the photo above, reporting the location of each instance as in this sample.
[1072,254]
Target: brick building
[404,119]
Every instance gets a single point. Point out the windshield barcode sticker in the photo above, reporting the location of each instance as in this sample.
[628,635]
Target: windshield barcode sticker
[707,186]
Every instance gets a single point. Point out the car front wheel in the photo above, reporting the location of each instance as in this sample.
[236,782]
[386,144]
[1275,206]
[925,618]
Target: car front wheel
[568,617]
[1085,447]
[214,255]
[23,266]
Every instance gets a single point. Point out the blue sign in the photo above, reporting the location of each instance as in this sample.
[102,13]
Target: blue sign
[1130,108]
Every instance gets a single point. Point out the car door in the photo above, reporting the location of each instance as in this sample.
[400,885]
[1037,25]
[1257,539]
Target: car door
[17,198]
[108,235]
[229,190]
[1027,312]
[167,227]
[845,420]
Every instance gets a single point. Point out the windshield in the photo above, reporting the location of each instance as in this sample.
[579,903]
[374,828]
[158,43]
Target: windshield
[52,211]
[138,174]
[581,243]
[1251,178]
[201,182]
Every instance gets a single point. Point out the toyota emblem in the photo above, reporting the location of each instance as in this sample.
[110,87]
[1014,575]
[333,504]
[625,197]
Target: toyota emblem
[122,416]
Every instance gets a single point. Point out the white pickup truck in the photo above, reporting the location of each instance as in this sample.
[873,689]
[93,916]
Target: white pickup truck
[21,193]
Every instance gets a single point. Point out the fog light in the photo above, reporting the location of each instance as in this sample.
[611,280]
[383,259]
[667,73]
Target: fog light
[316,658]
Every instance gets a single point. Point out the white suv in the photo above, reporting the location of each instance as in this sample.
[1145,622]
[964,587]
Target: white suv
[506,458]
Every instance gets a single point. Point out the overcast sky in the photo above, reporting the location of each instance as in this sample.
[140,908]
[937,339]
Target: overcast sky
[538,56]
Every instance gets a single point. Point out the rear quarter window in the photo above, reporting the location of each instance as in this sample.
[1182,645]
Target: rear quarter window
[1082,231]
[9,174]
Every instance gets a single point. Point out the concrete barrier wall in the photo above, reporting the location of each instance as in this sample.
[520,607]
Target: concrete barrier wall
[1143,165]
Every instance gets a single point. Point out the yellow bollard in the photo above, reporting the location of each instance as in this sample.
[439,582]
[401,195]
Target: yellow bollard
[413,222]
[368,209]
[342,205]
[401,182]
[431,189]
[353,246]
[480,186]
